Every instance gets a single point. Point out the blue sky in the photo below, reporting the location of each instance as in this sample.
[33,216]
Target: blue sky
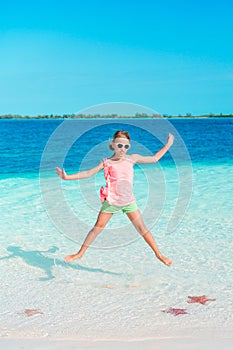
[59,57]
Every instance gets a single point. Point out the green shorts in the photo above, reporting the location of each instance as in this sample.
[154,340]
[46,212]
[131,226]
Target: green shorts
[108,208]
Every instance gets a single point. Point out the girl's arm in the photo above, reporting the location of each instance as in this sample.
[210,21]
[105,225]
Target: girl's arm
[81,174]
[137,158]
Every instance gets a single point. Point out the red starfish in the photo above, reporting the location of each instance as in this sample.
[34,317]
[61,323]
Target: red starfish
[200,299]
[30,312]
[175,312]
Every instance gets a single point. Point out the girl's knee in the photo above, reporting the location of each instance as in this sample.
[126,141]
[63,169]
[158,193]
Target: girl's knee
[142,230]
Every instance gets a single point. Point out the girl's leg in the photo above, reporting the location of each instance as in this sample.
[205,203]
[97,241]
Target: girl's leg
[101,222]
[140,226]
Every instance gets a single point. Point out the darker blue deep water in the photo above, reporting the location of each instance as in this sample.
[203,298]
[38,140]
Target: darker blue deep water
[22,142]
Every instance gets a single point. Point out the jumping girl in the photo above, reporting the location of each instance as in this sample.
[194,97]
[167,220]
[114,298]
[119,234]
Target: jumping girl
[117,195]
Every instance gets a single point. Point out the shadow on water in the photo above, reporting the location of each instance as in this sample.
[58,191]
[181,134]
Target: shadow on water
[37,259]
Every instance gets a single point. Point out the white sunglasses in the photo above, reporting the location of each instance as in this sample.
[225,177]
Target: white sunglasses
[121,145]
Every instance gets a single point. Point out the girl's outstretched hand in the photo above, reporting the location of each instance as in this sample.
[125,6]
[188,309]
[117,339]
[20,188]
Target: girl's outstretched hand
[61,173]
[170,140]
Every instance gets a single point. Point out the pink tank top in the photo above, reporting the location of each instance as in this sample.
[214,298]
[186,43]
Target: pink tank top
[119,182]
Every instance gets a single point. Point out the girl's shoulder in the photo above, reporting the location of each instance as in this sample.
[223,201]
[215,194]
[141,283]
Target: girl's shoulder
[133,158]
[105,162]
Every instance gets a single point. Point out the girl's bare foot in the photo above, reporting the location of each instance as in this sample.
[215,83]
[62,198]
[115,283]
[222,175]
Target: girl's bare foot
[73,257]
[165,260]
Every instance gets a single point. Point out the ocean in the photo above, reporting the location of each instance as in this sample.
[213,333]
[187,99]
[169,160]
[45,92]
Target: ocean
[119,289]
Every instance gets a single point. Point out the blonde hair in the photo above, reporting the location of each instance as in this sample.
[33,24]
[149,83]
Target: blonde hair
[119,133]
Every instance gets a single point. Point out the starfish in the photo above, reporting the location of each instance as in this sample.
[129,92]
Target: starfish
[175,312]
[31,312]
[199,299]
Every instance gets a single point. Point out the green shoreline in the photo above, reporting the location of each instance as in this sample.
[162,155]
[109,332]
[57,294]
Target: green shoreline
[115,116]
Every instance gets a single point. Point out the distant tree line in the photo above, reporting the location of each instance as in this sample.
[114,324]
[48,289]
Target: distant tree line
[189,115]
[99,116]
[78,116]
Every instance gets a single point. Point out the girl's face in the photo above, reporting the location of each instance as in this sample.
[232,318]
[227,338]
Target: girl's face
[121,145]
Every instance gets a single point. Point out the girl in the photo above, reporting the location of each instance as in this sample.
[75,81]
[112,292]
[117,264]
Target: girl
[118,194]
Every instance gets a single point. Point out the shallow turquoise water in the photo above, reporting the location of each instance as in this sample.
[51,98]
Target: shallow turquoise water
[119,288]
